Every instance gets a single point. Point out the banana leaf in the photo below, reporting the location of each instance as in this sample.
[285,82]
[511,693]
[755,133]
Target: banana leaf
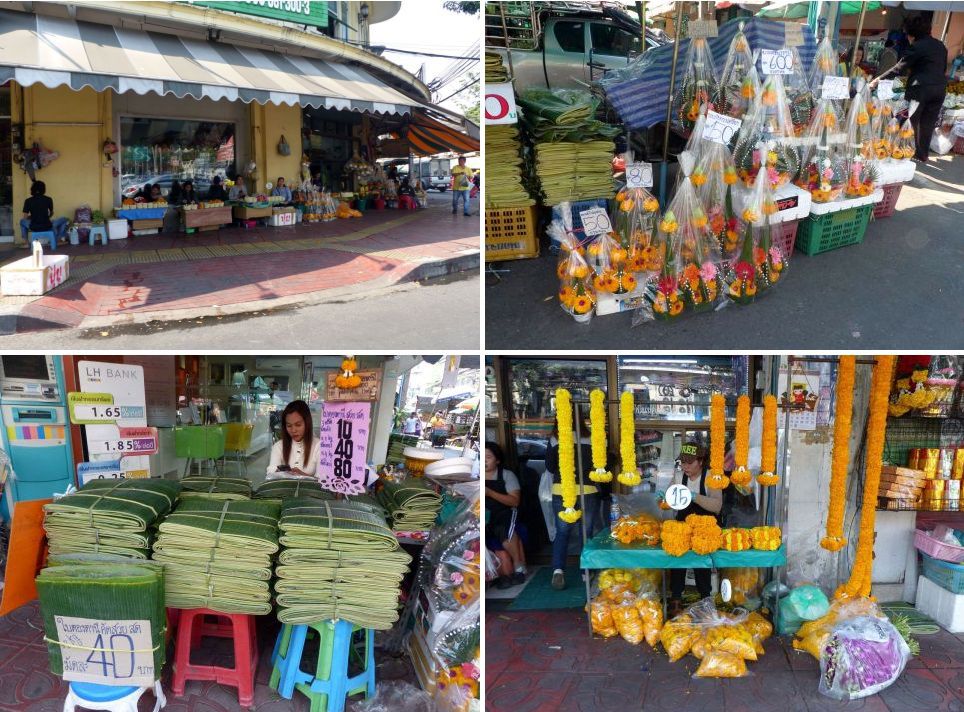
[557,106]
[291,488]
[411,505]
[216,487]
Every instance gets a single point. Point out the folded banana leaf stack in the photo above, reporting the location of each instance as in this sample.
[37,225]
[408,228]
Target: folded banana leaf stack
[292,488]
[495,70]
[215,487]
[339,561]
[219,554]
[504,168]
[107,592]
[412,505]
[109,517]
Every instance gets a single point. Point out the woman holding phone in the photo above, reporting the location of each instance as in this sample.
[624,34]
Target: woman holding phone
[296,454]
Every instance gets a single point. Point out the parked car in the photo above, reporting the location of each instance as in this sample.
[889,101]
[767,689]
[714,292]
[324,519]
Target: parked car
[201,185]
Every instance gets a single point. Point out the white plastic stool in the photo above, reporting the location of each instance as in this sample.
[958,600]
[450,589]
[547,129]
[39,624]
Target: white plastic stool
[91,696]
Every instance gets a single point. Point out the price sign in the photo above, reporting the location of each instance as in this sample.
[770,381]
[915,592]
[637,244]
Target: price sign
[132,441]
[595,221]
[776,61]
[885,89]
[96,408]
[793,34]
[836,87]
[104,470]
[703,28]
[679,497]
[720,128]
[500,104]
[343,444]
[639,175]
[106,652]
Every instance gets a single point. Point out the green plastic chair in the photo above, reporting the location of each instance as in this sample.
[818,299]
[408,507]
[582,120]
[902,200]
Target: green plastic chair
[199,443]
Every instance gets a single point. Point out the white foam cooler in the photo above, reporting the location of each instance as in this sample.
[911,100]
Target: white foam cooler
[940,604]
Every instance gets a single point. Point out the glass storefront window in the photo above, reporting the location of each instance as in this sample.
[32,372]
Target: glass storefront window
[167,150]
[327,141]
[6,165]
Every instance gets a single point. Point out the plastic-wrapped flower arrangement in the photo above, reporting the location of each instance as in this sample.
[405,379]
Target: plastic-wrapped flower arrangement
[760,262]
[904,145]
[769,124]
[716,194]
[800,99]
[739,82]
[823,170]
[636,221]
[825,63]
[611,263]
[862,168]
[577,296]
[697,86]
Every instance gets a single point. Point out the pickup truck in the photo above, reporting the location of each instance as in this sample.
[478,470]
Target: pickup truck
[565,45]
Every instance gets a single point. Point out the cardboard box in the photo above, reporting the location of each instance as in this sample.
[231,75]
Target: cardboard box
[242,212]
[146,224]
[892,471]
[23,279]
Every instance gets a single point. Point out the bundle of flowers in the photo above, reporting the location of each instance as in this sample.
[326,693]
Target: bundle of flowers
[637,218]
[577,295]
[697,86]
[760,262]
[823,169]
[716,195]
[766,139]
[862,169]
[739,82]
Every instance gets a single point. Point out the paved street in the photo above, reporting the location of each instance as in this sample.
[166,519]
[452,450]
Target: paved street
[902,288]
[166,279]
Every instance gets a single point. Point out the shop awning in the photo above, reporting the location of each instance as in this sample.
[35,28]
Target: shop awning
[38,49]
[427,136]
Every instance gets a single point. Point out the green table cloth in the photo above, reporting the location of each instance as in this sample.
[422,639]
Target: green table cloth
[604,552]
[750,558]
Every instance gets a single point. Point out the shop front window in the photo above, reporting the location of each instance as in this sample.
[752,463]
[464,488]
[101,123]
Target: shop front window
[6,165]
[327,141]
[167,150]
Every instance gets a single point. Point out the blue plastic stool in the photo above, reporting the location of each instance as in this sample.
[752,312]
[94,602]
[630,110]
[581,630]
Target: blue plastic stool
[93,696]
[96,230]
[48,234]
[329,686]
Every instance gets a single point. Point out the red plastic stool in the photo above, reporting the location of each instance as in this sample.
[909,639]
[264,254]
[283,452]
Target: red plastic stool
[192,626]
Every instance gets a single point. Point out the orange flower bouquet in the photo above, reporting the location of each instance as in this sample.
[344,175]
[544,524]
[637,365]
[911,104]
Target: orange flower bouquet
[716,196]
[739,83]
[609,259]
[904,145]
[766,139]
[823,170]
[862,169]
[760,262]
[696,86]
[577,294]
[637,218]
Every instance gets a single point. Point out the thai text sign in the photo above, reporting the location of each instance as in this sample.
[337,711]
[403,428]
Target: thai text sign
[343,444]
[302,12]
[106,652]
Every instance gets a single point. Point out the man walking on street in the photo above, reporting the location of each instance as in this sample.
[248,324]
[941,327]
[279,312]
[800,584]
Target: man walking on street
[461,185]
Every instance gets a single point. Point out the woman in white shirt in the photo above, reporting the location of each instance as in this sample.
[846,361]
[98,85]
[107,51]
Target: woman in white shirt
[296,454]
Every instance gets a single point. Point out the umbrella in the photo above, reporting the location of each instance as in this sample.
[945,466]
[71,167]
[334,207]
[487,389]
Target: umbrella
[468,404]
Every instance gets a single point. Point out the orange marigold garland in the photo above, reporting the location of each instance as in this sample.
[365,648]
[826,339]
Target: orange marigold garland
[627,440]
[716,479]
[859,583]
[741,475]
[597,423]
[842,420]
[348,380]
[768,450]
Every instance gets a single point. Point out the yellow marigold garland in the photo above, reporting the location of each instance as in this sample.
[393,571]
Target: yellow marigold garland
[567,458]
[348,379]
[705,534]
[842,420]
[627,440]
[597,422]
[859,583]
[768,449]
[675,537]
[741,475]
[716,479]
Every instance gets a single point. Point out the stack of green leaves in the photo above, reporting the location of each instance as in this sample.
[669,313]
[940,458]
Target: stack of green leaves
[339,561]
[219,554]
[504,168]
[292,488]
[102,592]
[412,505]
[495,71]
[216,487]
[109,517]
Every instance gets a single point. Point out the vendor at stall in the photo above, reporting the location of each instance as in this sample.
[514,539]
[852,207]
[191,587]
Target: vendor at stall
[296,453]
[238,191]
[38,213]
[188,196]
[216,191]
[693,464]
[502,498]
[281,190]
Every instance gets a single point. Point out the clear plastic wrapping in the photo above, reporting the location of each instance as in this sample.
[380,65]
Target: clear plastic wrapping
[637,217]
[739,82]
[611,263]
[457,641]
[863,656]
[577,296]
[760,262]
[824,64]
[697,86]
[904,145]
[800,97]
[823,170]
[766,138]
[716,195]
[862,167]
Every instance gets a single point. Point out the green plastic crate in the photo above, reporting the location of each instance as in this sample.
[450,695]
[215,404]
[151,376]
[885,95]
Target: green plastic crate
[822,233]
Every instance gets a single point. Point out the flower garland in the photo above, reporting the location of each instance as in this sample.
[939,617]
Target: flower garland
[567,458]
[768,451]
[859,583]
[627,440]
[842,420]
[597,422]
[741,476]
[348,380]
[717,480]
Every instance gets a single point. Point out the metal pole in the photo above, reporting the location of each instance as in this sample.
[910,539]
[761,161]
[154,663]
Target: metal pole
[577,429]
[860,28]
[947,23]
[669,106]
[505,36]
[641,11]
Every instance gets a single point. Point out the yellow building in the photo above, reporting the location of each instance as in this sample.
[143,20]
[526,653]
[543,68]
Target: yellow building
[189,90]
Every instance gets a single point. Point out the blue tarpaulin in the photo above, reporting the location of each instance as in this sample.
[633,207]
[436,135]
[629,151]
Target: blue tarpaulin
[639,92]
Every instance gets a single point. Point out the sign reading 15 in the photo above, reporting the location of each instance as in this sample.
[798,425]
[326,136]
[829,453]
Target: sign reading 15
[679,497]
[344,449]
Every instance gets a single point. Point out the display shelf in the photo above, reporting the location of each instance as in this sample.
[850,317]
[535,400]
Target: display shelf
[838,205]
[914,505]
[603,552]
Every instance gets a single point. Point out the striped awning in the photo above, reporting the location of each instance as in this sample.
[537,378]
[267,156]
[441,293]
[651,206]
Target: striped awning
[427,136]
[38,49]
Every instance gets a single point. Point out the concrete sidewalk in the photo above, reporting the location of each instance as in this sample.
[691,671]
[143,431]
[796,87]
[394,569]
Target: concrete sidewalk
[236,271]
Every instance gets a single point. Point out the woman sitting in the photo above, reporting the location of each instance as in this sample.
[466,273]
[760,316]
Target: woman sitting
[282,190]
[296,453]
[216,191]
[406,196]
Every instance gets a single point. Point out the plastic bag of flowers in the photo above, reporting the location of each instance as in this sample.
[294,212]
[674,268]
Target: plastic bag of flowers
[862,168]
[716,195]
[697,86]
[689,279]
[825,64]
[577,296]
[800,97]
[823,170]
[611,263]
[760,261]
[904,145]
[768,123]
[636,221]
[863,656]
[739,82]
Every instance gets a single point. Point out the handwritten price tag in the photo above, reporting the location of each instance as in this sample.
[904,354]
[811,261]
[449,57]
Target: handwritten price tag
[343,442]
[776,61]
[703,28]
[679,497]
[793,34]
[639,175]
[836,87]
[885,89]
[106,652]
[720,128]
[595,221]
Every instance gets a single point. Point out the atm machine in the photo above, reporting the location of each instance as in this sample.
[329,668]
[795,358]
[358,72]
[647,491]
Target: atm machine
[36,430]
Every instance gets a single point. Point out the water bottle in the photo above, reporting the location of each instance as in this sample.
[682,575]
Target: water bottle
[613,512]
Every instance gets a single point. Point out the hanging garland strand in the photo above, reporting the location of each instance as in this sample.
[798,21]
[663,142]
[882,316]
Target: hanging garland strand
[597,423]
[768,451]
[567,457]
[741,475]
[842,421]
[716,479]
[627,440]
[859,583]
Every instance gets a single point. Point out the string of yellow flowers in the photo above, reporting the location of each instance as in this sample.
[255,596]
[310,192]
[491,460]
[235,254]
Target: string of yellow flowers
[627,440]
[567,457]
[597,423]
[768,450]
[716,479]
[840,460]
[860,576]
[741,475]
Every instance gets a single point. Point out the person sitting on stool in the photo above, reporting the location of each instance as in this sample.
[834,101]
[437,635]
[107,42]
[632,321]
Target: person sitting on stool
[406,196]
[38,213]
